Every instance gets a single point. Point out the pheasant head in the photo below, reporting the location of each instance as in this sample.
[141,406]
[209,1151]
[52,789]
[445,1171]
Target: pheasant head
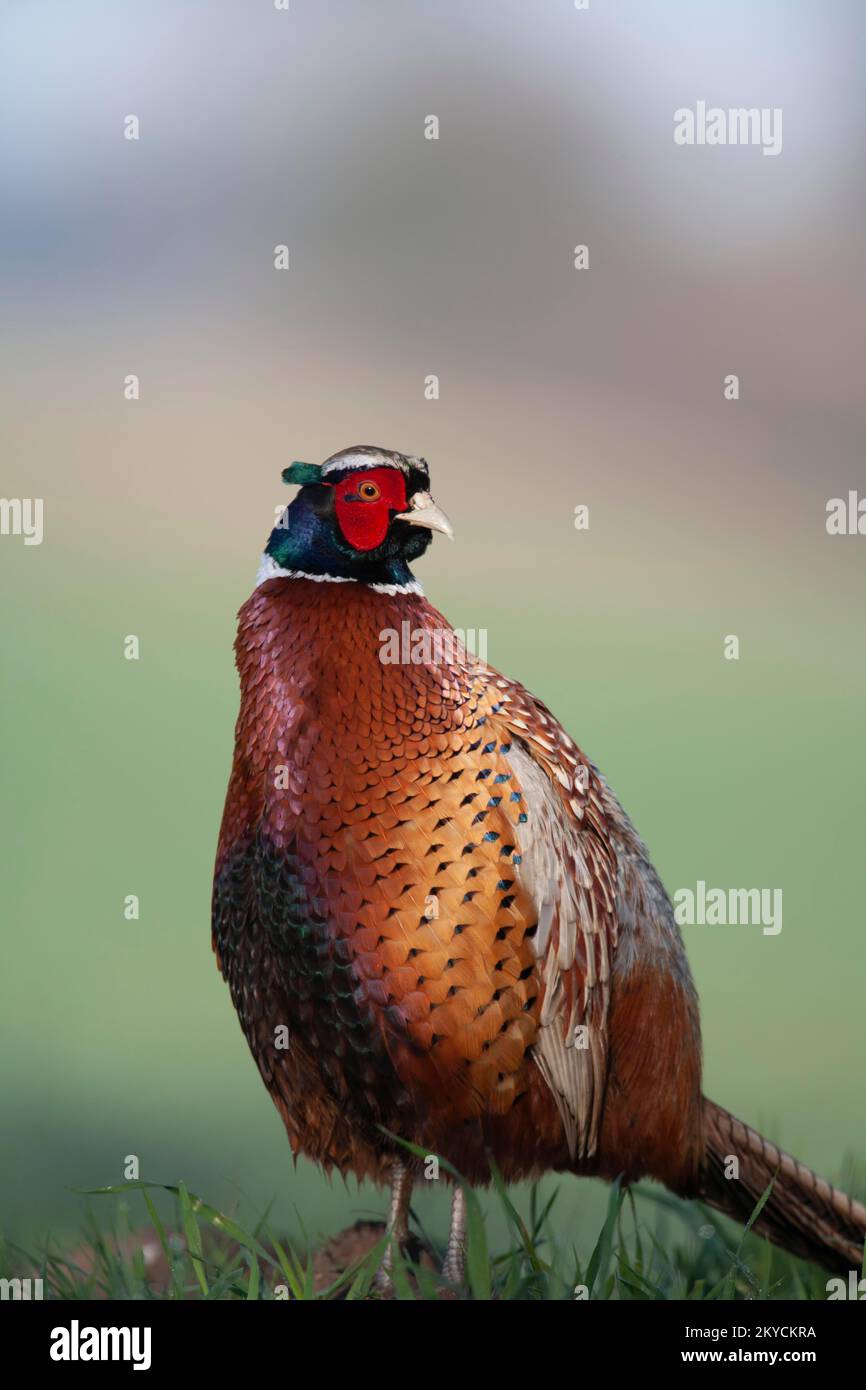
[363,514]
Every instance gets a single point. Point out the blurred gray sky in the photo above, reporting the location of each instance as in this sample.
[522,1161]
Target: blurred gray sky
[409,257]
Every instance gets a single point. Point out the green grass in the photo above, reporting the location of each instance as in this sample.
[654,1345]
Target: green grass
[115,779]
[649,1246]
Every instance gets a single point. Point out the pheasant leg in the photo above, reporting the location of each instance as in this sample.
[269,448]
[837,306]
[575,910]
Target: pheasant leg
[454,1263]
[397,1227]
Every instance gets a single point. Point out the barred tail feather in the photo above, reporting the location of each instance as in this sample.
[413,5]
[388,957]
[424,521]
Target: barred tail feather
[804,1214]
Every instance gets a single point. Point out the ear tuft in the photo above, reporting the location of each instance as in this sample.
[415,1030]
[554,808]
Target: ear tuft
[302,473]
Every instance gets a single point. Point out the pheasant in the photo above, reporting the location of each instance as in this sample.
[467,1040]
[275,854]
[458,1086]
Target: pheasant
[436,921]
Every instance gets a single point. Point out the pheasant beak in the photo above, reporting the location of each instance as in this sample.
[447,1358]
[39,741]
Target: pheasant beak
[424,512]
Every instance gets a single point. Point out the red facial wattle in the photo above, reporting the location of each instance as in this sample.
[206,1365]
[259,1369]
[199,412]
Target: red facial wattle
[362,517]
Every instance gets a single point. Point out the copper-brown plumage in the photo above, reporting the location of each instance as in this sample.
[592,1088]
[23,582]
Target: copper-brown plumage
[426,883]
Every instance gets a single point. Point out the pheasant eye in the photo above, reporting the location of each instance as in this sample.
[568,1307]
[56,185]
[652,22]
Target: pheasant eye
[369,492]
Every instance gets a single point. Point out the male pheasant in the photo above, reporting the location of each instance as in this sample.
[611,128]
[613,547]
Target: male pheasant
[434,917]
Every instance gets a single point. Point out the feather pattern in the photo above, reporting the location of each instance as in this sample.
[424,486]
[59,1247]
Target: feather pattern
[568,865]
[418,880]
[435,919]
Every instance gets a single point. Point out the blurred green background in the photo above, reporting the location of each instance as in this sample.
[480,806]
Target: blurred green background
[557,388]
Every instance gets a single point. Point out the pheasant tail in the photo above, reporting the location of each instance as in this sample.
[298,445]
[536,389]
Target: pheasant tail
[804,1214]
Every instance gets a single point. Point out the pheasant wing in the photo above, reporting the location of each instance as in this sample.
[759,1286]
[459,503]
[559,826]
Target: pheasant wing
[568,865]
